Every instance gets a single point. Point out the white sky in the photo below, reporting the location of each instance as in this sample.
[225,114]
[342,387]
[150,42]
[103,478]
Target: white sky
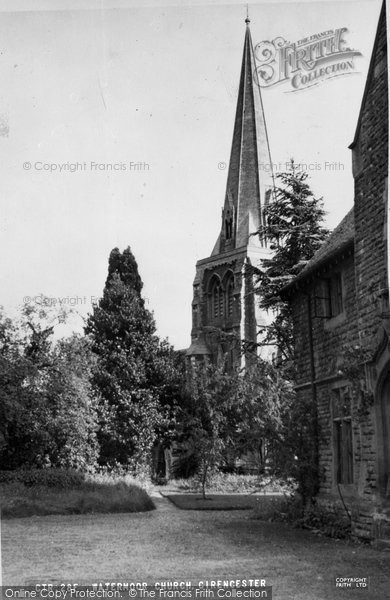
[119,82]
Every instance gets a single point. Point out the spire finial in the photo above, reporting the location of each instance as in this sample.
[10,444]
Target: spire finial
[247,20]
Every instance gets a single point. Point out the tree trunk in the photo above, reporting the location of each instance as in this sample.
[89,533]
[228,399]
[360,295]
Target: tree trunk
[204,478]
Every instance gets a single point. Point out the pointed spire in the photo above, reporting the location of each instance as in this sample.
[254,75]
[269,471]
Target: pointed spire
[247,20]
[250,169]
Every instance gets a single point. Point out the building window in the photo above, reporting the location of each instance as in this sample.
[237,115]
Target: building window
[267,196]
[229,360]
[228,228]
[194,316]
[264,217]
[342,436]
[229,214]
[229,297]
[221,297]
[335,295]
[329,297]
[216,300]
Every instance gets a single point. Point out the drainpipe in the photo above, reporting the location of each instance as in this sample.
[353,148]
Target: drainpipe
[312,375]
[311,344]
[314,395]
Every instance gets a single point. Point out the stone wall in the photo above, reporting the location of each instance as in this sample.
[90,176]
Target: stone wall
[365,289]
[370,168]
[331,337]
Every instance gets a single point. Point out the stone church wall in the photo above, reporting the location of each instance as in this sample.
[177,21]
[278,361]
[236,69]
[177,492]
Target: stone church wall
[364,323]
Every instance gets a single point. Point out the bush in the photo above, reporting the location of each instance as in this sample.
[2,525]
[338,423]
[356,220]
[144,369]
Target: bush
[142,481]
[325,520]
[185,466]
[91,496]
[231,483]
[283,508]
[112,498]
[60,478]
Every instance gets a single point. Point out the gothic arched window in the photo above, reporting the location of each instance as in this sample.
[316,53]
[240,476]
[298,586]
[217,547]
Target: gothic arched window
[216,299]
[264,217]
[229,287]
[228,226]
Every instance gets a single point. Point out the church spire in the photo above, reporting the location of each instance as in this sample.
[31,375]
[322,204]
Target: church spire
[250,178]
[247,20]
[224,296]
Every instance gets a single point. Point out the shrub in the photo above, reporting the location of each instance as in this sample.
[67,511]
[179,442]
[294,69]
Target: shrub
[60,478]
[325,520]
[91,496]
[48,411]
[141,481]
[110,498]
[281,508]
[232,483]
[185,466]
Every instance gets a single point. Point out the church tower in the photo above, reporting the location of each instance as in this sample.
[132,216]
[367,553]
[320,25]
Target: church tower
[225,310]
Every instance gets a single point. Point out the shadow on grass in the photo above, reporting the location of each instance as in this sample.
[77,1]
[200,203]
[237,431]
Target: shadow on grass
[18,500]
[218,501]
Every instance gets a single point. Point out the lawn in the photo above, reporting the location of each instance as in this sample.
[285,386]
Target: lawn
[226,492]
[169,544]
[220,501]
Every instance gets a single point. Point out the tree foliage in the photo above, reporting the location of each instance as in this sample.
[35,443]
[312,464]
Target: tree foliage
[83,401]
[229,416]
[263,402]
[47,408]
[206,420]
[294,226]
[136,375]
[267,408]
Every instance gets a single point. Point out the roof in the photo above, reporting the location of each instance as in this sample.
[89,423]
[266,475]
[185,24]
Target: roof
[198,347]
[370,74]
[250,168]
[339,240]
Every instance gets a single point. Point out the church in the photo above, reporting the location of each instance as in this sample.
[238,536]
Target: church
[341,318]
[225,312]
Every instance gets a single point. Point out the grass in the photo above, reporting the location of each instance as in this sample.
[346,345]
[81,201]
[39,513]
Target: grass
[230,483]
[168,544]
[97,494]
[215,501]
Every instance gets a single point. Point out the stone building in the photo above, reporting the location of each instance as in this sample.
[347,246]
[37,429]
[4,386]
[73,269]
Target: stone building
[224,307]
[342,326]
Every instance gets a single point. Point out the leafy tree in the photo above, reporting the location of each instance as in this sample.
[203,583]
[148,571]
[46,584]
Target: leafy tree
[229,415]
[294,226]
[14,370]
[47,409]
[267,409]
[263,402]
[135,375]
[73,420]
[207,425]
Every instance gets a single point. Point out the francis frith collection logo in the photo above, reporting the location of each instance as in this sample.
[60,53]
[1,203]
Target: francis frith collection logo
[304,63]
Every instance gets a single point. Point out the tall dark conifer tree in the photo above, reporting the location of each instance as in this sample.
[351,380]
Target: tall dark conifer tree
[294,225]
[133,371]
